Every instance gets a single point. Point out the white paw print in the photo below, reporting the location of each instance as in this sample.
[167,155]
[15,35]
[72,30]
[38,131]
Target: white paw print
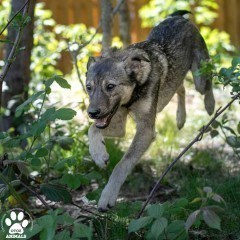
[17,227]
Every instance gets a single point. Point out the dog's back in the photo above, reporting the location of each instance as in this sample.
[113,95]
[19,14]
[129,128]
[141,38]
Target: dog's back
[185,50]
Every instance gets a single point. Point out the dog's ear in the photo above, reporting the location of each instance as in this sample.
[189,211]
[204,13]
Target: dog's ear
[91,60]
[137,66]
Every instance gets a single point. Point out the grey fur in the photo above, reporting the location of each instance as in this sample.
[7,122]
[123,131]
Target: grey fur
[142,80]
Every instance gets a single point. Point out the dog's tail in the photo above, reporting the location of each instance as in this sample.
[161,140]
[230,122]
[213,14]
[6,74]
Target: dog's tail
[180,13]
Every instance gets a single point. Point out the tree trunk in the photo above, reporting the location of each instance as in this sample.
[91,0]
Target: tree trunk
[16,82]
[18,76]
[106,21]
[124,24]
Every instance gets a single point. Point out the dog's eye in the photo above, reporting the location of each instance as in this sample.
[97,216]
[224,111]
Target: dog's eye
[110,87]
[89,88]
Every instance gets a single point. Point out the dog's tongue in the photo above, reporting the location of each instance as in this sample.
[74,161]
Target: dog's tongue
[101,122]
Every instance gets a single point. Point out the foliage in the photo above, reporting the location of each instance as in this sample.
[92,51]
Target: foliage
[47,49]
[157,10]
[231,76]
[51,157]
[204,12]
[165,221]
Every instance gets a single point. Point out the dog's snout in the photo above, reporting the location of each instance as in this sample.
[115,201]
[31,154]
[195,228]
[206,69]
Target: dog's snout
[93,112]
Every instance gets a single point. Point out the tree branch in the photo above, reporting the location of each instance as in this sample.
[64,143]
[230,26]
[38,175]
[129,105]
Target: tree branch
[13,51]
[196,139]
[14,17]
[37,195]
[117,8]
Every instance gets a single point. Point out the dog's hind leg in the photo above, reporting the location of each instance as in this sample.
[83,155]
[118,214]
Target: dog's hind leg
[203,81]
[181,109]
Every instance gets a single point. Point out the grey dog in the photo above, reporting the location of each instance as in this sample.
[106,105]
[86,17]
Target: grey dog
[141,80]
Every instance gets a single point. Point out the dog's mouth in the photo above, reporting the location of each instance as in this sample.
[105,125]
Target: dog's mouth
[103,122]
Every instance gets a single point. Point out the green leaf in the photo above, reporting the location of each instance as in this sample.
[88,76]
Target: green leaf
[82,231]
[56,193]
[65,142]
[238,127]
[49,82]
[22,167]
[72,181]
[192,219]
[60,165]
[233,141]
[128,209]
[64,114]
[236,61]
[65,219]
[155,210]
[11,142]
[158,227]
[62,82]
[49,223]
[137,224]
[230,130]
[42,152]
[215,124]
[93,175]
[31,99]
[47,115]
[63,235]
[197,199]
[180,203]
[30,232]
[36,162]
[176,226]
[37,128]
[214,133]
[226,72]
[94,195]
[211,219]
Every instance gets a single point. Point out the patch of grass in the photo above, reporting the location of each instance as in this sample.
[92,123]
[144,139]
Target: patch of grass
[206,169]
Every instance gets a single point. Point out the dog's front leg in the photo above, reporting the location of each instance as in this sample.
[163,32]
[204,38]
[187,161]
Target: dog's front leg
[143,138]
[96,136]
[97,147]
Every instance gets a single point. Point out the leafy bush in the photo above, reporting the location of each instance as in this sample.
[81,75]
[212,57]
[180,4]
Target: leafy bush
[166,221]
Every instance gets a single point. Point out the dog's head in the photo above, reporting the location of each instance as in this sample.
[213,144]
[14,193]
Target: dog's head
[111,81]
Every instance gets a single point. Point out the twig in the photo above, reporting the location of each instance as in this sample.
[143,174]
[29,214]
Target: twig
[196,139]
[117,8]
[86,210]
[14,17]
[12,53]
[93,213]
[37,195]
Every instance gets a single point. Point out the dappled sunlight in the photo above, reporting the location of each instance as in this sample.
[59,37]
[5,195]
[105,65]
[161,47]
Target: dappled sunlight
[64,173]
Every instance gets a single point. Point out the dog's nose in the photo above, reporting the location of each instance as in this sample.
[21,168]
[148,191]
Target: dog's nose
[93,112]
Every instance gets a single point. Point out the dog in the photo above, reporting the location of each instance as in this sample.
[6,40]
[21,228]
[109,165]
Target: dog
[141,80]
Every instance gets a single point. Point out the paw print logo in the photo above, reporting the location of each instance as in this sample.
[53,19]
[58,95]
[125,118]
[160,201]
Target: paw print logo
[16,222]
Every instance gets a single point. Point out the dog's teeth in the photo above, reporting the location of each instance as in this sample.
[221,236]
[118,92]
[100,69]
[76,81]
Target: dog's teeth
[101,121]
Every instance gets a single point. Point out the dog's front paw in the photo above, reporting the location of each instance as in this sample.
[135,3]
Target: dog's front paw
[107,199]
[99,154]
